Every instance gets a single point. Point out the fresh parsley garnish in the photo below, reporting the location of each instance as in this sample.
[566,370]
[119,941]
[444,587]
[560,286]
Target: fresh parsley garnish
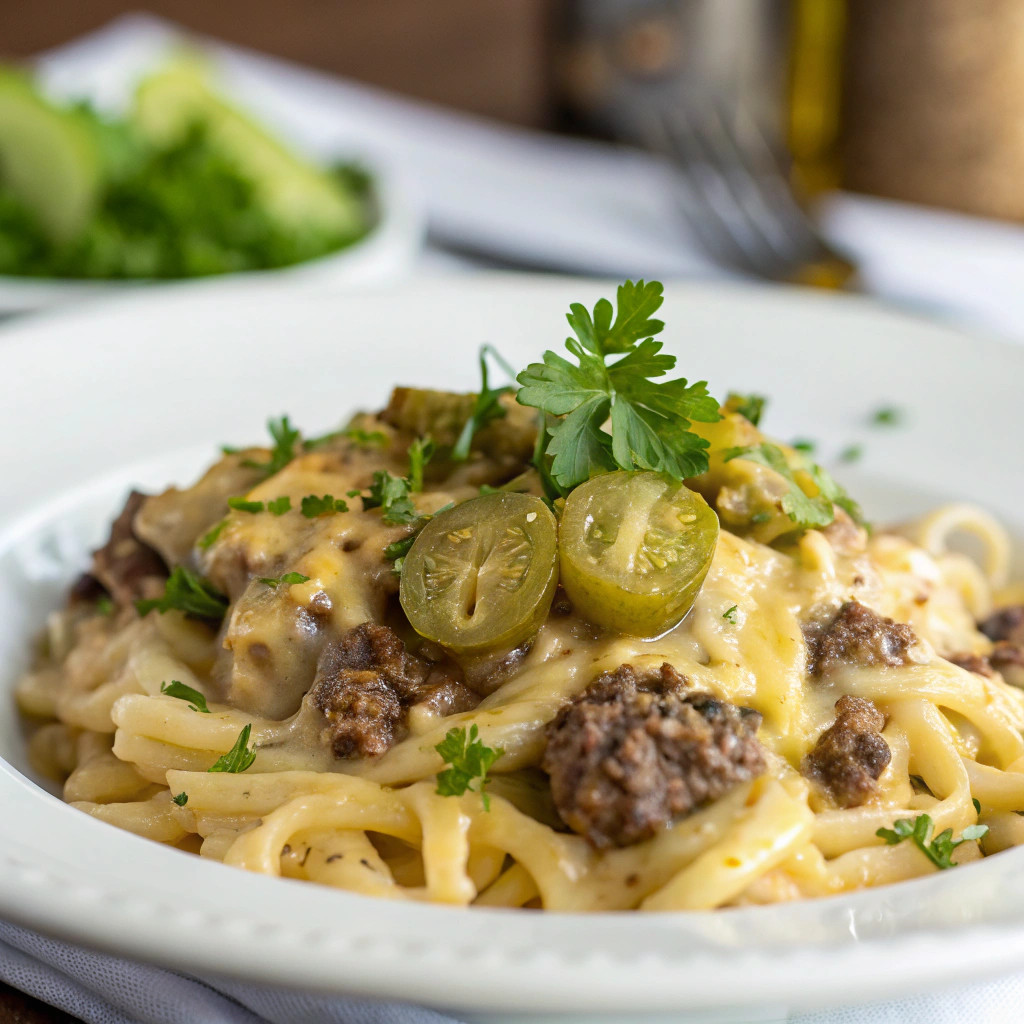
[400,548]
[469,760]
[804,445]
[291,578]
[366,438]
[104,606]
[209,538]
[391,494]
[761,517]
[421,451]
[851,453]
[239,757]
[487,406]
[887,416]
[750,406]
[649,421]
[244,505]
[730,614]
[196,701]
[181,799]
[285,439]
[187,593]
[977,805]
[805,511]
[312,506]
[938,850]
[279,506]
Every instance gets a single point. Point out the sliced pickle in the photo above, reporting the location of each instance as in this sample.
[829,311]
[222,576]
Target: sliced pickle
[481,576]
[634,549]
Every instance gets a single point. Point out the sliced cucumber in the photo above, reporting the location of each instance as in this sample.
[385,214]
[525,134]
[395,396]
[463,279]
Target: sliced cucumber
[298,194]
[48,159]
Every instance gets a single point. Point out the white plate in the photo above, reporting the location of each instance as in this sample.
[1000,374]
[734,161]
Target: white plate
[85,394]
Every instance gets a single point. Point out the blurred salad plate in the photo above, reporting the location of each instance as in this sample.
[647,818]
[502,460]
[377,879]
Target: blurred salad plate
[183,185]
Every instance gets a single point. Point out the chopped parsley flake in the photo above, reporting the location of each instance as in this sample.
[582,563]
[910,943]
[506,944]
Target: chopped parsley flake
[196,701]
[420,453]
[851,453]
[291,578]
[181,799]
[366,438]
[391,494]
[804,445]
[649,421]
[312,506]
[469,760]
[244,505]
[239,757]
[730,614]
[977,805]
[209,538]
[279,506]
[487,406]
[938,850]
[285,439]
[761,517]
[750,406]
[188,593]
[104,606]
[888,416]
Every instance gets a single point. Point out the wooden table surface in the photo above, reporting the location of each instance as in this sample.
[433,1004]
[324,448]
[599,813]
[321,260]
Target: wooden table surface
[17,1008]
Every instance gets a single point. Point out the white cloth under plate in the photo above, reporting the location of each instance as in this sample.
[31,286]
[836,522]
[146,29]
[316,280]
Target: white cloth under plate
[536,199]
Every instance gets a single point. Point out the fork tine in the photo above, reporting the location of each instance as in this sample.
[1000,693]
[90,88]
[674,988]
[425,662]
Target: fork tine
[701,141]
[653,133]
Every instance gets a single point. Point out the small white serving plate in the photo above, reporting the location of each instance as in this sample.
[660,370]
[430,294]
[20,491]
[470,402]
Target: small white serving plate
[140,390]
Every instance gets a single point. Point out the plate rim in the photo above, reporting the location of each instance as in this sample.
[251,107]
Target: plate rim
[521,985]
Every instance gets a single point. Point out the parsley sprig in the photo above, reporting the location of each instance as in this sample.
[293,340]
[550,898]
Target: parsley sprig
[487,406]
[938,850]
[469,760]
[751,406]
[188,593]
[421,451]
[239,757]
[805,511]
[196,701]
[286,440]
[649,421]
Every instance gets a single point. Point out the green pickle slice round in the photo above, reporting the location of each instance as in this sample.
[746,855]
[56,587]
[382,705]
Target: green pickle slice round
[480,577]
[634,549]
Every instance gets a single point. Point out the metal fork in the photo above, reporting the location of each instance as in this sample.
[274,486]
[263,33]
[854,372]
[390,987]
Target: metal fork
[734,193]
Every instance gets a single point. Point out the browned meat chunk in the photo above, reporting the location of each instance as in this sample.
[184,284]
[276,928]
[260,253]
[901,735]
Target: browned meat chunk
[1005,624]
[977,663]
[850,756]
[366,681]
[124,565]
[857,636]
[1007,658]
[633,752]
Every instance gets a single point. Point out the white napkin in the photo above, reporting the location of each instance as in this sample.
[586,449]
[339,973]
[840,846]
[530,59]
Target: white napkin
[548,202]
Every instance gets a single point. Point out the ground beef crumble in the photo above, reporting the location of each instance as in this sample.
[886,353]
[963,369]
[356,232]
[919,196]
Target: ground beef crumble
[1006,624]
[857,636]
[365,683]
[976,663]
[849,757]
[127,568]
[636,750]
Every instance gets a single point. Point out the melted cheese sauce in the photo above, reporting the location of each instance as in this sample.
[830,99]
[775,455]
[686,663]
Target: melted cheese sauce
[378,826]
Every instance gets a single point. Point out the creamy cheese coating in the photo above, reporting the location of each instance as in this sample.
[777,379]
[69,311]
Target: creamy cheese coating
[138,758]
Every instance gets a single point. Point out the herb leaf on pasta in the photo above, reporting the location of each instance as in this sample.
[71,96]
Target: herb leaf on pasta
[239,757]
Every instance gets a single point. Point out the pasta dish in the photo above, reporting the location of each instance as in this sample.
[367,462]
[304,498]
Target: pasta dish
[587,641]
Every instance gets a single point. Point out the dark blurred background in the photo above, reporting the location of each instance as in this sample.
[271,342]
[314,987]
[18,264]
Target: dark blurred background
[916,99]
